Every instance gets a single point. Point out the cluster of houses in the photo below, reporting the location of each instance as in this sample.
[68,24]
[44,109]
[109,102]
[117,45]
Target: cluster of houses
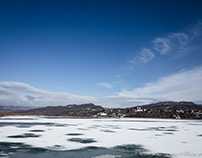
[149,113]
[118,113]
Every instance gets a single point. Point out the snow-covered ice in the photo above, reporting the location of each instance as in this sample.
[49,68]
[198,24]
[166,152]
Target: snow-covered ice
[176,137]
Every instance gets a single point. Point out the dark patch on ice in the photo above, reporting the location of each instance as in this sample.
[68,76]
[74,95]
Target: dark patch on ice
[64,125]
[105,126]
[136,129]
[25,124]
[82,140]
[162,128]
[108,131]
[172,127]
[167,133]
[29,125]
[96,126]
[74,134]
[112,126]
[200,135]
[195,124]
[36,130]
[184,142]
[56,147]
[72,125]
[85,129]
[116,127]
[25,135]
[60,125]
[169,129]
[158,135]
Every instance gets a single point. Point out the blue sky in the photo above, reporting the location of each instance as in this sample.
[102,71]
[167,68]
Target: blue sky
[116,53]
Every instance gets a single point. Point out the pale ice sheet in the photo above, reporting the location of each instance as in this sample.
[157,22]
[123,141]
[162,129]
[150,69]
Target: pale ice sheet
[177,137]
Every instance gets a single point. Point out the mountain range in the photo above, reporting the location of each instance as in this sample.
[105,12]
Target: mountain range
[169,109]
[10,108]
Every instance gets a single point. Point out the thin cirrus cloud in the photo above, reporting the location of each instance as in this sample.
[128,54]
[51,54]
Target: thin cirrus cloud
[196,30]
[144,57]
[105,84]
[161,45]
[171,44]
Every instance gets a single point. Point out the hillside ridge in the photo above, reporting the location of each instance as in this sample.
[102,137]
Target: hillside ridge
[167,109]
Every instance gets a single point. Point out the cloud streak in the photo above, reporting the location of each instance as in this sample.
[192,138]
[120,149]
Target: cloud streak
[144,56]
[105,84]
[161,45]
[171,44]
[185,85]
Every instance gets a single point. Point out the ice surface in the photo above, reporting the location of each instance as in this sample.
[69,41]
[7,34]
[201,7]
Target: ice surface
[176,137]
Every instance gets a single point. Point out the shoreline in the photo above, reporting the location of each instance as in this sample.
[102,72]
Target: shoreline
[76,117]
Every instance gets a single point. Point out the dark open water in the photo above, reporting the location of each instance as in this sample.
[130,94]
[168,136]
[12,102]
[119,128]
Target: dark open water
[19,150]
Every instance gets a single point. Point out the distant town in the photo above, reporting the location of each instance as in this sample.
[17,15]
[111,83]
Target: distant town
[169,109]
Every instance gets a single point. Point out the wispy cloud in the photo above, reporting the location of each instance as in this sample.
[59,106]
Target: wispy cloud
[161,45]
[185,85]
[179,40]
[144,56]
[171,44]
[105,84]
[195,30]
